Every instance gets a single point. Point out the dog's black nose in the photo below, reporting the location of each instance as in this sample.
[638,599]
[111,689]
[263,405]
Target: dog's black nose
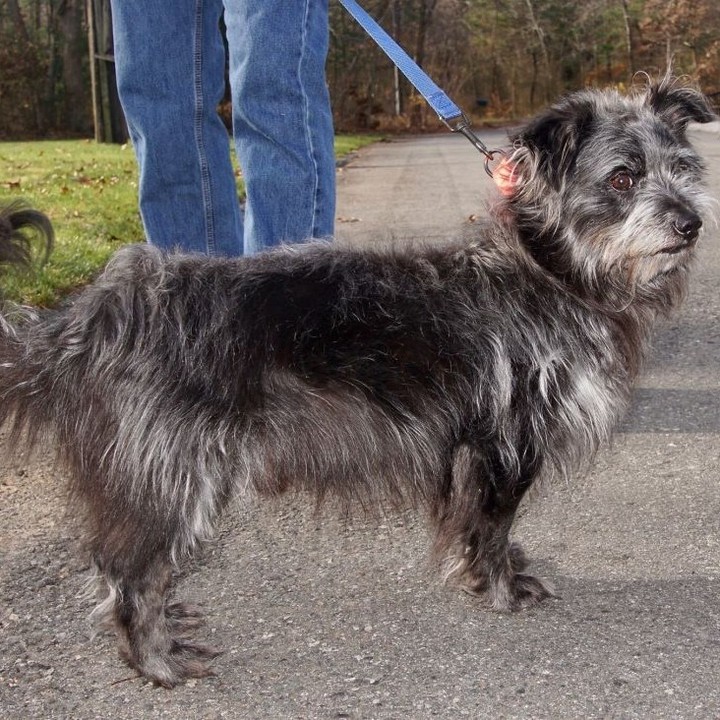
[687,225]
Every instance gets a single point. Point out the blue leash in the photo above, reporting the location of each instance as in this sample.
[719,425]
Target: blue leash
[453,117]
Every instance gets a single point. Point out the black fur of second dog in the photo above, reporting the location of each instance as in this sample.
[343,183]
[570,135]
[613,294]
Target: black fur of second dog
[452,377]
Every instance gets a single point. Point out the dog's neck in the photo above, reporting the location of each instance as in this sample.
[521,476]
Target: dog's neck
[614,290]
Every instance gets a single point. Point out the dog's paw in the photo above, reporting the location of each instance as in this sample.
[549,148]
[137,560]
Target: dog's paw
[518,592]
[510,594]
[506,589]
[184,660]
[163,652]
[192,660]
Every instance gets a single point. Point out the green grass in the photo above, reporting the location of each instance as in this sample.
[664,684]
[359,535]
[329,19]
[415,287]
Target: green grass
[89,191]
[345,144]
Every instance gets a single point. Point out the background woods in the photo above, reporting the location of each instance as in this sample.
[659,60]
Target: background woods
[44,76]
[502,58]
[506,58]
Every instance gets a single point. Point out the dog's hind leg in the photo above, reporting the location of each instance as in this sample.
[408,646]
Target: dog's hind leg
[474,521]
[153,634]
[133,549]
[151,498]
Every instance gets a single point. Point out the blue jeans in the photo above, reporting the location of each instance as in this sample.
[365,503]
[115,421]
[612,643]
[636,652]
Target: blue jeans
[170,62]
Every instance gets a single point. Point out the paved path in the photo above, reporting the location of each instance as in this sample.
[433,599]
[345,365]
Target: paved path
[415,188]
[329,619]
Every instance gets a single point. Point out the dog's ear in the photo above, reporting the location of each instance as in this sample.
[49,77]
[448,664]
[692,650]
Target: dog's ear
[678,106]
[552,140]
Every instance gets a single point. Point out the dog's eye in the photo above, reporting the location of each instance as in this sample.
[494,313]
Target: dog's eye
[685,167]
[622,181]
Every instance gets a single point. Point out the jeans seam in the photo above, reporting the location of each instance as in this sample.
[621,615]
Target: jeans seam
[205,185]
[308,133]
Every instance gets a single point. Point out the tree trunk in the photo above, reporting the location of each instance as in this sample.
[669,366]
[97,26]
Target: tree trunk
[629,37]
[18,21]
[540,34]
[425,13]
[70,16]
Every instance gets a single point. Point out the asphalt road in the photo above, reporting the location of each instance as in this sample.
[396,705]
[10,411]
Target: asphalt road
[322,617]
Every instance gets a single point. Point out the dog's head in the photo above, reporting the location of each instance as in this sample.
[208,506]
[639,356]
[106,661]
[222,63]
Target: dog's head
[605,190]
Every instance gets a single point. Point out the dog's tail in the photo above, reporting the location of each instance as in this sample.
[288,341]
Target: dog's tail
[22,232]
[21,228]
[18,224]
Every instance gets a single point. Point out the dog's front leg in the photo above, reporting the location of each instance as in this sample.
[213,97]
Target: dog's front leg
[473,527]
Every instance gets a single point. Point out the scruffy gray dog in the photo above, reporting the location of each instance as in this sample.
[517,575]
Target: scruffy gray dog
[451,376]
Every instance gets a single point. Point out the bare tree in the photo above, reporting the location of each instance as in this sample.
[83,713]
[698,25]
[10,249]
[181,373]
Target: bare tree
[75,108]
[18,21]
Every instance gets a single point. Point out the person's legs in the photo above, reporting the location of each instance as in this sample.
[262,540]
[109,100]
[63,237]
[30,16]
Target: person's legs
[170,69]
[282,119]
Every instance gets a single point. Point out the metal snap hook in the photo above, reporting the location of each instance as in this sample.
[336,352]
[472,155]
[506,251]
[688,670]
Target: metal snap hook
[464,127]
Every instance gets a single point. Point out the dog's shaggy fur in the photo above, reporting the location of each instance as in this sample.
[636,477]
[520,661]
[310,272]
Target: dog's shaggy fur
[453,377]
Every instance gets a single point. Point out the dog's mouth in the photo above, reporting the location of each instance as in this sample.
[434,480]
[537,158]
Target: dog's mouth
[677,247]
[673,250]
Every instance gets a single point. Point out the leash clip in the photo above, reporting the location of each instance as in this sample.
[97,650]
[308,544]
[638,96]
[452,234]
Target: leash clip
[464,127]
